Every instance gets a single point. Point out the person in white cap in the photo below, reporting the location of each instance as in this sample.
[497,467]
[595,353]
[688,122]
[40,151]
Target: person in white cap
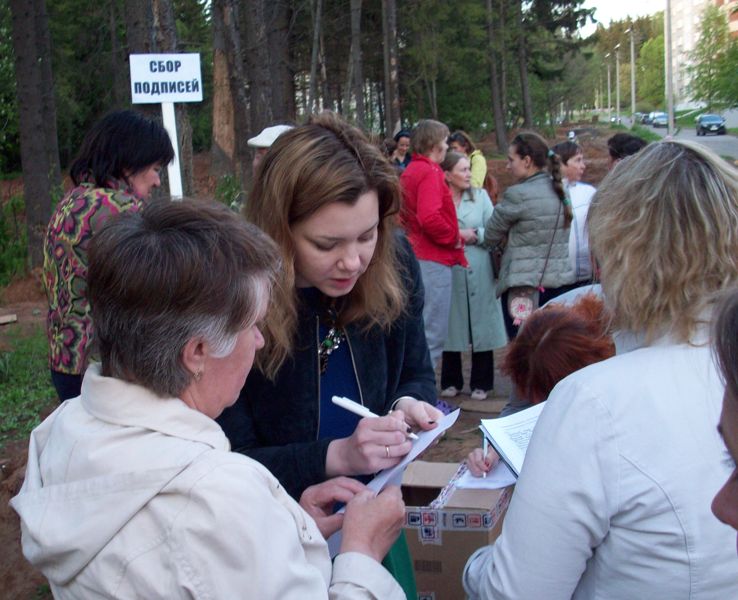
[264,141]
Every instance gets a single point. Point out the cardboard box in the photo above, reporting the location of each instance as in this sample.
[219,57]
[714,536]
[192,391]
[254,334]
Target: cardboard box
[445,525]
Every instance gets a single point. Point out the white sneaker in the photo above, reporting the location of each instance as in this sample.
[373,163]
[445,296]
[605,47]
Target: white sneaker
[479,395]
[449,392]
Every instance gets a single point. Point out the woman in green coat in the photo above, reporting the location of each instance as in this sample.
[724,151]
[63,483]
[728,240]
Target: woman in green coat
[476,313]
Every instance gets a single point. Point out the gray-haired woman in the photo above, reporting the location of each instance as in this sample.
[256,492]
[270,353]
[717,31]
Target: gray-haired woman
[131,490]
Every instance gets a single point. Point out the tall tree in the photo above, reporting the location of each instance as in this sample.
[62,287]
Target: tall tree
[258,64]
[37,119]
[317,23]
[229,152]
[392,117]
[357,69]
[278,39]
[650,73]
[711,58]
[521,47]
[495,39]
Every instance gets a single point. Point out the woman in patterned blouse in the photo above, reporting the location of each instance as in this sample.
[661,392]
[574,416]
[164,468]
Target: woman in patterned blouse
[117,168]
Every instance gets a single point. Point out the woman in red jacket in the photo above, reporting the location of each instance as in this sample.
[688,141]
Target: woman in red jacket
[429,218]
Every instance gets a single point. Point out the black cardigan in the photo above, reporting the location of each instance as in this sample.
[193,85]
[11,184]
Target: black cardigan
[276,422]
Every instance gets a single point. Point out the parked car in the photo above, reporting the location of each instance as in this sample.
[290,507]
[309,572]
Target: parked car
[710,124]
[647,118]
[660,119]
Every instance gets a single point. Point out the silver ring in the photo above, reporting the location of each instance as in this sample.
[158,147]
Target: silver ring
[386,451]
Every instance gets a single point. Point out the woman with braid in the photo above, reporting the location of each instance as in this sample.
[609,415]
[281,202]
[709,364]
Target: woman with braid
[533,217]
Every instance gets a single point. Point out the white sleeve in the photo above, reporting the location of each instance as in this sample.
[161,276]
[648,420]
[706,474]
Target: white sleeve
[561,507]
[238,539]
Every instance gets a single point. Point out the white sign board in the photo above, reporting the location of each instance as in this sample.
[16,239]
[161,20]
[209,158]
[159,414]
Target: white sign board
[157,78]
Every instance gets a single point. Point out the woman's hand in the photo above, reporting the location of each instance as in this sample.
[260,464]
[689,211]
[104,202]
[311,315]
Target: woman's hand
[377,443]
[478,464]
[419,415]
[372,523]
[318,501]
[468,235]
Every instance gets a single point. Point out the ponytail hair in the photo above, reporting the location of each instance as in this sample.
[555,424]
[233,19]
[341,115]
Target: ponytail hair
[528,143]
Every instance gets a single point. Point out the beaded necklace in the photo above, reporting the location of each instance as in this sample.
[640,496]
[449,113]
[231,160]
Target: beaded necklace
[332,340]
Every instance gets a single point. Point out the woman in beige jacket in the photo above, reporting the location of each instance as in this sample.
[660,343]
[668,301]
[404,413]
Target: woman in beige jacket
[131,490]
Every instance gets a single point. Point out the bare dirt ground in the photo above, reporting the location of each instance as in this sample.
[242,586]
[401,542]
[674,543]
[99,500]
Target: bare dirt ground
[25,298]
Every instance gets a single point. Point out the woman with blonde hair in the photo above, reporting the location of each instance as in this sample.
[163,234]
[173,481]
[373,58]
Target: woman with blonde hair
[459,141]
[614,498]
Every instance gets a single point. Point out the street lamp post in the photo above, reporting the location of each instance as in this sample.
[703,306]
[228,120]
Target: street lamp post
[609,100]
[632,71]
[669,70]
[617,83]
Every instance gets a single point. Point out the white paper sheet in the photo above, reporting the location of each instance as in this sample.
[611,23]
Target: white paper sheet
[499,477]
[393,476]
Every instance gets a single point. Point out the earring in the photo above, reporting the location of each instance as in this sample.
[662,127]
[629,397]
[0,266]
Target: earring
[197,375]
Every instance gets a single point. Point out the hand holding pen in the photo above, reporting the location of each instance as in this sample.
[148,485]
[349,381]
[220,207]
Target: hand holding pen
[377,443]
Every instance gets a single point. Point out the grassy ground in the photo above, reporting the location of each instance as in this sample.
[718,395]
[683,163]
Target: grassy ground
[645,133]
[25,387]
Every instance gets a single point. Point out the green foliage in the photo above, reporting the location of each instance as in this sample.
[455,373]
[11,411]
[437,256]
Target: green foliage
[715,61]
[650,74]
[25,385]
[228,191]
[645,133]
[13,240]
[9,137]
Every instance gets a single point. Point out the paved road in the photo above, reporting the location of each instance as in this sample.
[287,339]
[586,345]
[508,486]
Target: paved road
[724,145]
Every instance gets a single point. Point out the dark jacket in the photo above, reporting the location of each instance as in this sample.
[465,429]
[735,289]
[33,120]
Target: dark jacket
[276,422]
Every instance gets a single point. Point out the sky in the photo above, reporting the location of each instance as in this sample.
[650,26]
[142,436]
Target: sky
[617,10]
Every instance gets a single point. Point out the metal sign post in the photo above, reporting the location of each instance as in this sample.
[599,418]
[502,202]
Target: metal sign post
[165,79]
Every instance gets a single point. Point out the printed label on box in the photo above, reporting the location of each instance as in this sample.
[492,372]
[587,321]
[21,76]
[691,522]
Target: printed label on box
[459,520]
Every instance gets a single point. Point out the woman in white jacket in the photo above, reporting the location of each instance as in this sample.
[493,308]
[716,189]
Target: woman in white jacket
[614,497]
[131,490]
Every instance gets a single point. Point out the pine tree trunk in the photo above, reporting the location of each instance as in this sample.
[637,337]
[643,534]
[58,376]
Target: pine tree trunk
[312,102]
[494,53]
[356,62]
[37,119]
[392,118]
[282,80]
[523,70]
[229,151]
[258,66]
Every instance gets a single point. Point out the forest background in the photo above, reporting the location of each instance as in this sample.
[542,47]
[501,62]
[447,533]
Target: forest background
[485,66]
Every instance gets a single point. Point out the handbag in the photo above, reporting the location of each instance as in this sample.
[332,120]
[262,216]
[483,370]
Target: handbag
[523,300]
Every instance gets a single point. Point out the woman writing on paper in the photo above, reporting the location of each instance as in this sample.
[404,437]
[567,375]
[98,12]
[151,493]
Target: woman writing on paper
[614,497]
[345,317]
[131,489]
[554,342]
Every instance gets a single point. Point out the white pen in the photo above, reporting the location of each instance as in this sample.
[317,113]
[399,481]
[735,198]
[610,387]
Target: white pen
[484,446]
[360,410]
